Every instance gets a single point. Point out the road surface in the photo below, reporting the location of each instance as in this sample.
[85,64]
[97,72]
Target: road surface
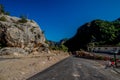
[74,68]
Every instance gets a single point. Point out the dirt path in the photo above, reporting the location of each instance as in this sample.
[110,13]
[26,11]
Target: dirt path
[20,68]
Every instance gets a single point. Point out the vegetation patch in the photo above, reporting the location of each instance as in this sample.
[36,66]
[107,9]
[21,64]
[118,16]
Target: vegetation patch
[98,33]
[23,19]
[31,21]
[3,18]
[60,47]
[2,10]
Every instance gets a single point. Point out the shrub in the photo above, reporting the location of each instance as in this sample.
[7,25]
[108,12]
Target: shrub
[100,58]
[23,19]
[64,48]
[1,9]
[3,18]
[7,13]
[46,41]
[106,58]
[54,48]
[32,21]
[61,47]
[87,55]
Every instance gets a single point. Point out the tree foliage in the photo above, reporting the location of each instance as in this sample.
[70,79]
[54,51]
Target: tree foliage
[2,10]
[57,45]
[98,31]
[3,18]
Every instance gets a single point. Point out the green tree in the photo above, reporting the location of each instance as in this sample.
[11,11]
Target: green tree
[63,48]
[7,13]
[99,32]
[1,9]
[108,31]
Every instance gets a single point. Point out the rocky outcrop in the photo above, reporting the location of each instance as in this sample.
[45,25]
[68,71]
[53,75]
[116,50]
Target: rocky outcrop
[27,36]
[12,51]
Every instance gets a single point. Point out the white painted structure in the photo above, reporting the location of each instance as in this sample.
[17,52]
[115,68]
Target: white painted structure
[104,49]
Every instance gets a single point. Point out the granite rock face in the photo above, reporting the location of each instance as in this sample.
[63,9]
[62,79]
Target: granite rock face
[27,36]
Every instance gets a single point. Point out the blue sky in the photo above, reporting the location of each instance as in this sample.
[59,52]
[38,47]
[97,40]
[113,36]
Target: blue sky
[61,18]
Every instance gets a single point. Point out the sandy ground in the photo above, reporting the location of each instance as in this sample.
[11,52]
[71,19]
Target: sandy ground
[23,67]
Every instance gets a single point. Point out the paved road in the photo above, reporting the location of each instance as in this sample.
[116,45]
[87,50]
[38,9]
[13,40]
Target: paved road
[77,69]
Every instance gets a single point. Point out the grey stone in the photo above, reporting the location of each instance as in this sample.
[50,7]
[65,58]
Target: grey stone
[27,36]
[12,51]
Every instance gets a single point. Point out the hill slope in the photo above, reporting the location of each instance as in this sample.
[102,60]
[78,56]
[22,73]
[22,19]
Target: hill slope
[99,32]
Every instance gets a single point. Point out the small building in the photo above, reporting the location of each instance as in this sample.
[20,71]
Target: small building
[105,49]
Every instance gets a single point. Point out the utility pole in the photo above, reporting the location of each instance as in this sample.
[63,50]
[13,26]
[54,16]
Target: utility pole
[115,58]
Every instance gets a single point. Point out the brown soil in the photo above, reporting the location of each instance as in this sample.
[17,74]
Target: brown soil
[23,67]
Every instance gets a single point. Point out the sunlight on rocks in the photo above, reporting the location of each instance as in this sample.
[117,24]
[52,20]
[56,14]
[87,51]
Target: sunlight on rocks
[75,75]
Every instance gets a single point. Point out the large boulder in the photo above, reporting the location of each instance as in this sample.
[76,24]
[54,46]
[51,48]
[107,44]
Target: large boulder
[27,36]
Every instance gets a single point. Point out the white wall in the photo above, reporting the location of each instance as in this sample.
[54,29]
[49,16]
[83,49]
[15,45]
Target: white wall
[104,49]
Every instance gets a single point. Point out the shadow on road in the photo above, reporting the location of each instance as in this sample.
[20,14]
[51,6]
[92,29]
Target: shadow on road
[46,70]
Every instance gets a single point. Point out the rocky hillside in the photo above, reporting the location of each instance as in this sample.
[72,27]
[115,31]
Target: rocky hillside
[97,32]
[20,35]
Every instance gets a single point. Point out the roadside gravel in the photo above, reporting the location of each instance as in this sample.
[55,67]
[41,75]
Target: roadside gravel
[22,67]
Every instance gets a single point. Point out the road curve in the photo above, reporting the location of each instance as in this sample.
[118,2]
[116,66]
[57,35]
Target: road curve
[74,68]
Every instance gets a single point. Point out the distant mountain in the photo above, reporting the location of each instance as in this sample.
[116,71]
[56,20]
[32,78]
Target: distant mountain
[57,45]
[98,32]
